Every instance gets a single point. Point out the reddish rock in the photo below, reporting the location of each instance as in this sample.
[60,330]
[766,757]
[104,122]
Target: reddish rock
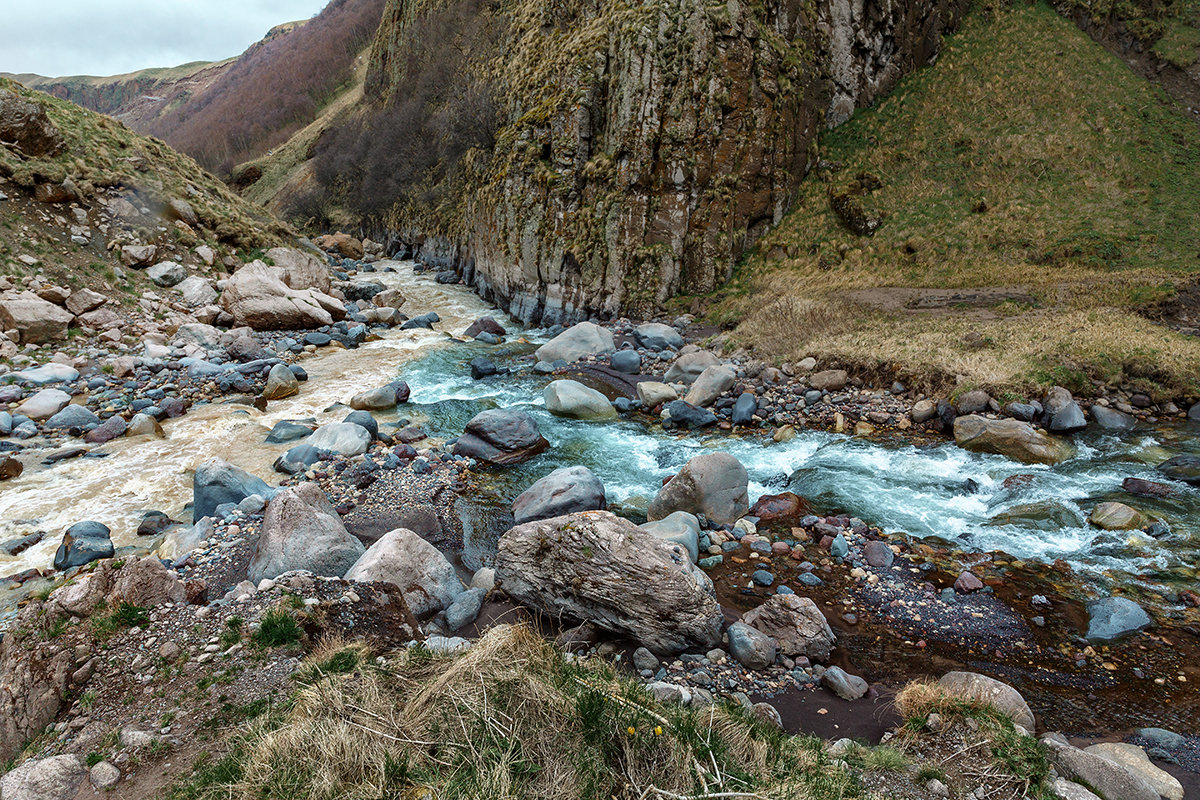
[780,506]
[1147,488]
[967,582]
[1017,481]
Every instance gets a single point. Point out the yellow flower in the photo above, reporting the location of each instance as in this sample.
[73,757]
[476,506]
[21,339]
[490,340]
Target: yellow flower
[658,730]
[631,730]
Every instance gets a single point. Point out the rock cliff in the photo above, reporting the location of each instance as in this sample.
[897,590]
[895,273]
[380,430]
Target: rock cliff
[642,147]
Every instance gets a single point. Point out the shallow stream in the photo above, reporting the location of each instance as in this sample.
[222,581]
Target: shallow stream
[925,491]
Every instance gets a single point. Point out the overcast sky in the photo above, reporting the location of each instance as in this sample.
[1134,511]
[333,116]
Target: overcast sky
[110,37]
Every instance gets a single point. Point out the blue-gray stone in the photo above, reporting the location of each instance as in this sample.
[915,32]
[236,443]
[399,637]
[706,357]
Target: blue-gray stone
[73,416]
[83,543]
[1111,618]
[300,458]
[744,409]
[364,420]
[785,590]
[762,577]
[839,548]
[709,562]
[809,579]
[287,431]
[465,608]
[626,361]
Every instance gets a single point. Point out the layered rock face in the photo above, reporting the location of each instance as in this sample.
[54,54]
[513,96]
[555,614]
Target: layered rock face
[644,147]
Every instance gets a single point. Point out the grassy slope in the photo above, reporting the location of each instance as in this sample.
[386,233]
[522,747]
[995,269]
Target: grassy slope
[1091,178]
[101,152]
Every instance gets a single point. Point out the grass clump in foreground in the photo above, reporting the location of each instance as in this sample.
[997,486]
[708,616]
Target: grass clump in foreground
[1028,159]
[509,718]
[1014,761]
[277,628]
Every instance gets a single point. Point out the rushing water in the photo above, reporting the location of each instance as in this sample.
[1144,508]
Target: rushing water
[929,491]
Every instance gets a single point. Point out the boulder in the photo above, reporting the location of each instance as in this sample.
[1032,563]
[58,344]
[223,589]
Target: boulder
[365,420]
[281,383]
[216,482]
[788,505]
[287,431]
[138,255]
[256,296]
[82,301]
[301,531]
[710,384]
[750,647]
[679,528]
[744,409]
[26,124]
[144,425]
[653,393]
[196,291]
[563,491]
[1184,467]
[35,319]
[53,778]
[976,688]
[830,380]
[502,437]
[685,415]
[843,684]
[381,398]
[72,415]
[795,623]
[198,333]
[343,244]
[713,484]
[581,339]
[299,458]
[424,576]
[1135,759]
[147,583]
[1046,515]
[1106,778]
[180,209]
[302,270]
[689,366]
[484,325]
[973,402]
[626,361]
[1111,618]
[1010,438]
[44,404]
[656,336]
[1111,419]
[47,373]
[167,273]
[112,428]
[1144,488]
[83,543]
[599,568]
[10,468]
[1113,516]
[566,398]
[343,438]
[1062,413]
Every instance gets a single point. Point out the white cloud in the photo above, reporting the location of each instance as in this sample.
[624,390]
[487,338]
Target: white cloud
[109,37]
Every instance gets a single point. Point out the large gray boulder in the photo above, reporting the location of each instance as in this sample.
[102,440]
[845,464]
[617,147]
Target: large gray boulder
[795,623]
[714,484]
[502,437]
[710,384]
[1063,414]
[566,398]
[343,438]
[657,336]
[1012,438]
[678,527]
[72,415]
[1108,779]
[577,341]
[688,367]
[216,482]
[301,531]
[35,319]
[196,291]
[599,568]
[167,273]
[1112,618]
[1135,759]
[53,778]
[301,270]
[44,404]
[83,543]
[258,297]
[976,688]
[281,383]
[563,491]
[751,647]
[425,577]
[1184,467]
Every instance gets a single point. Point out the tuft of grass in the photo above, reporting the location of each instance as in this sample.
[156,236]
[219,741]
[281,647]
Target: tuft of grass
[232,634]
[277,628]
[509,718]
[1078,200]
[126,615]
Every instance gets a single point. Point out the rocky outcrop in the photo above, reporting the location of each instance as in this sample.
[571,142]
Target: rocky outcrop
[259,297]
[647,146]
[37,675]
[599,568]
[301,530]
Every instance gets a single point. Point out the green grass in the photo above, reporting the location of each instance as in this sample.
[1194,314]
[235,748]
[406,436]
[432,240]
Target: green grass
[277,629]
[1089,178]
[126,615]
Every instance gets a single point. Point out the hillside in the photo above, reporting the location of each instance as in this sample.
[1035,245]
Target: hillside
[274,89]
[92,185]
[1027,216]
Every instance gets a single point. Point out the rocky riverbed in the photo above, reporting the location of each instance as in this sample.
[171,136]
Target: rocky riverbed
[726,528]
